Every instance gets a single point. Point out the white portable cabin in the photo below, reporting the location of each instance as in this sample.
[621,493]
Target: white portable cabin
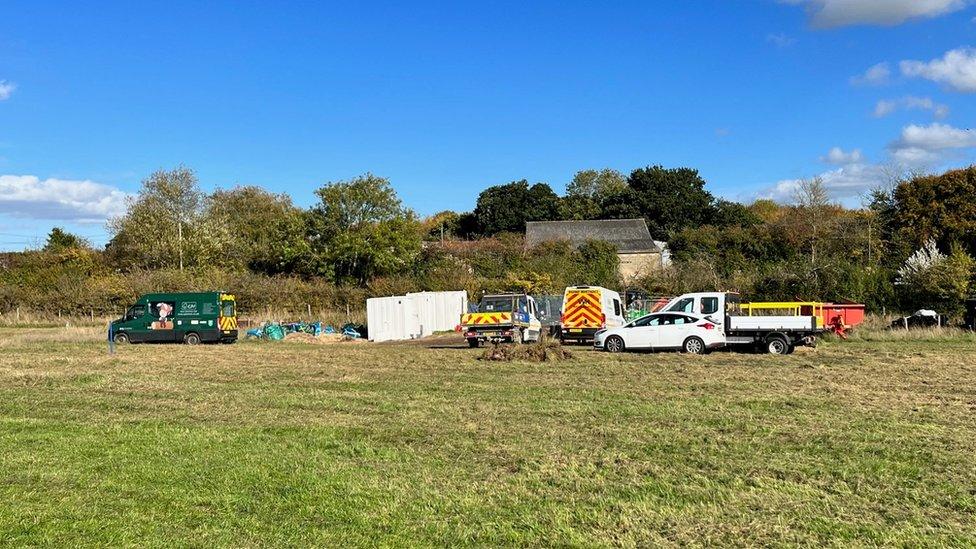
[414,315]
[392,318]
[439,311]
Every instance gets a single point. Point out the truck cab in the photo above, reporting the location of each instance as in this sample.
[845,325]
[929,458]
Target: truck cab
[714,305]
[502,317]
[191,318]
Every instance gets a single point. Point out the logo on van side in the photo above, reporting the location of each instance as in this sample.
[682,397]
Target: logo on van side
[188,308]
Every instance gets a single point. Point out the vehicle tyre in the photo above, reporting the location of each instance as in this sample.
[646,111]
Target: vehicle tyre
[777,345]
[191,338]
[473,343]
[791,349]
[614,344]
[121,337]
[694,346]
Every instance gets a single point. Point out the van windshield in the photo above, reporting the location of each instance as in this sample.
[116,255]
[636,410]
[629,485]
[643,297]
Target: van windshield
[495,305]
[226,308]
[684,306]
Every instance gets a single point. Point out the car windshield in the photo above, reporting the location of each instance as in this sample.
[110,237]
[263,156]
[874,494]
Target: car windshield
[496,305]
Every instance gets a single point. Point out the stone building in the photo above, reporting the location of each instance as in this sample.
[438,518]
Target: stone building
[638,253]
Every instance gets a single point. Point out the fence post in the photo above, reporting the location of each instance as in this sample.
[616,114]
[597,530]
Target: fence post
[91,313]
[309,307]
[18,315]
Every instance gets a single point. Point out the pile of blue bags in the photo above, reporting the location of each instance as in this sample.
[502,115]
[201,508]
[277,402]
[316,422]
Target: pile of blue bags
[274,331]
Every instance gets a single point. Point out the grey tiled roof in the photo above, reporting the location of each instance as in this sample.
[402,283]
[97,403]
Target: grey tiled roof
[629,235]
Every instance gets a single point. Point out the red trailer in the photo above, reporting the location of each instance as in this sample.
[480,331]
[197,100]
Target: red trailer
[849,314]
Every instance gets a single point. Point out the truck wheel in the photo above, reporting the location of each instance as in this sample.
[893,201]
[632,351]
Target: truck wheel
[614,344]
[473,343]
[694,346]
[777,345]
[191,339]
[121,338]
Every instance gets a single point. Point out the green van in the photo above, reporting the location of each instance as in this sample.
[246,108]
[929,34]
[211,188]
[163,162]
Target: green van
[191,318]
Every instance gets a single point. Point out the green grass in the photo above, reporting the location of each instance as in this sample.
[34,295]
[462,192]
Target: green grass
[255,444]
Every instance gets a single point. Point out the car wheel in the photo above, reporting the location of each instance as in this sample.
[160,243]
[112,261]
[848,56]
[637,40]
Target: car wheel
[614,344]
[777,345]
[473,343]
[694,346]
[121,338]
[192,339]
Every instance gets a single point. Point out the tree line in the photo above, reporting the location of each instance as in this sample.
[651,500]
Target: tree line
[910,245]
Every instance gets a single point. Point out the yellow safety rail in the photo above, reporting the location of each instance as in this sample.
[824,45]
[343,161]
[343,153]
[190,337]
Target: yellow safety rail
[792,308]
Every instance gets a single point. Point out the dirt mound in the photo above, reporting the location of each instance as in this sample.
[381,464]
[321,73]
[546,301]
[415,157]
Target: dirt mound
[543,351]
[321,339]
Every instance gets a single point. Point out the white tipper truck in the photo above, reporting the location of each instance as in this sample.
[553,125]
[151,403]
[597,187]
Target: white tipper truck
[773,334]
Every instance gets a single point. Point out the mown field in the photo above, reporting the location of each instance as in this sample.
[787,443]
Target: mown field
[864,442]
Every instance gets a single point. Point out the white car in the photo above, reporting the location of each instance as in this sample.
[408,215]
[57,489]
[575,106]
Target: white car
[686,332]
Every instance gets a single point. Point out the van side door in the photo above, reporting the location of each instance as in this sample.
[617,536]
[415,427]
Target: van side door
[160,322]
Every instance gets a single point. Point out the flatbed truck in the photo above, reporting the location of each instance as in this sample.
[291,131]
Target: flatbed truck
[772,334]
[502,318]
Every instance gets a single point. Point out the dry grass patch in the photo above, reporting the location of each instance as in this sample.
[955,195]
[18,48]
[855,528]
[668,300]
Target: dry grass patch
[260,443]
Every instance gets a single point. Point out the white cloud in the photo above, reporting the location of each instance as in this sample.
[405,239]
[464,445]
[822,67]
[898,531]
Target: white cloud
[846,182]
[956,69]
[61,199]
[6,89]
[780,40]
[918,147]
[921,146]
[838,157]
[839,13]
[937,136]
[874,76]
[888,106]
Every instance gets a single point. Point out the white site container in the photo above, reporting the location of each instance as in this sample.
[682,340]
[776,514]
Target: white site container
[439,311]
[392,319]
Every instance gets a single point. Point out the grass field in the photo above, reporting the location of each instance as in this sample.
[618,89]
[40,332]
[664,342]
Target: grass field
[864,442]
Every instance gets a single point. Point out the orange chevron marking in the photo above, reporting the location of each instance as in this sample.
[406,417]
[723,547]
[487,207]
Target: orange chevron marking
[582,309]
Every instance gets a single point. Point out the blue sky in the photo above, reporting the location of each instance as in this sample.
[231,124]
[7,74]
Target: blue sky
[448,98]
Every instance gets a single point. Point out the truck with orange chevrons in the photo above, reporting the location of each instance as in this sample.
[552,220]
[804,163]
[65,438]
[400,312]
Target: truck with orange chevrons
[502,317]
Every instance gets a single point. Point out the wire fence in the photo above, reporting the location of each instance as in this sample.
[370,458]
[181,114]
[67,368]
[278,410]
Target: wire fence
[101,316]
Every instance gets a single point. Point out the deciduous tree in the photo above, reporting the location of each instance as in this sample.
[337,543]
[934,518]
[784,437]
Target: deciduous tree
[670,199]
[171,223]
[506,208]
[268,231]
[360,229]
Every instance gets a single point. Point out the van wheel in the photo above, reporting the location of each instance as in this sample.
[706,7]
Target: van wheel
[191,339]
[694,346]
[121,338]
[473,343]
[614,344]
[777,345]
